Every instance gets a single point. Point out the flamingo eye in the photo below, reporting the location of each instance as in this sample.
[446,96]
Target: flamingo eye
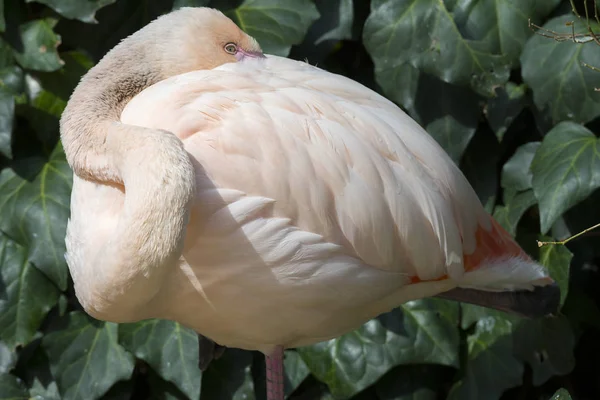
[230,48]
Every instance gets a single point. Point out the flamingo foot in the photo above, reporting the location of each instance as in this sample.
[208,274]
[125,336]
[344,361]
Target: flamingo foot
[274,364]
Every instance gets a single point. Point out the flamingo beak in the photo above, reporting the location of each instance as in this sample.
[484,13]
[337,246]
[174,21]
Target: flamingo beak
[242,54]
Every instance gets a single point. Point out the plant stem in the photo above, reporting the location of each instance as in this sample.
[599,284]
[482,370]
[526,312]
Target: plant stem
[563,242]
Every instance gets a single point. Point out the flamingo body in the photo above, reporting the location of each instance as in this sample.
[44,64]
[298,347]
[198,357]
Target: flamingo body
[317,205]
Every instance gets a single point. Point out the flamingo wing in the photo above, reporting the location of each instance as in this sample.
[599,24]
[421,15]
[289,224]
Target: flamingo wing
[349,172]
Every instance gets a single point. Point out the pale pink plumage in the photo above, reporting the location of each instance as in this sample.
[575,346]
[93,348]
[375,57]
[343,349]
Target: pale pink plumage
[319,205]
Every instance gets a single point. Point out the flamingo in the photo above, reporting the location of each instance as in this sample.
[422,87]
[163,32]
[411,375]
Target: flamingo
[264,202]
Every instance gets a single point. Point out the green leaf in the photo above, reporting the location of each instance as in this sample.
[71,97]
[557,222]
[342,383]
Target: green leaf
[516,182]
[566,169]
[229,377]
[547,345]
[415,382]
[169,348]
[276,24]
[85,357]
[491,367]
[8,358]
[400,85]
[39,43]
[561,394]
[11,80]
[2,21]
[296,371]
[7,110]
[84,11]
[339,16]
[163,390]
[189,3]
[39,392]
[34,208]
[423,33]
[516,174]
[501,25]
[28,295]
[11,84]
[449,113]
[515,205]
[562,86]
[114,23]
[421,331]
[62,82]
[558,260]
[33,364]
[11,388]
[467,43]
[471,314]
[505,106]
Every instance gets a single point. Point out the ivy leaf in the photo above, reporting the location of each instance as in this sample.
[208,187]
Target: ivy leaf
[8,358]
[417,382]
[516,182]
[86,358]
[558,260]
[562,86]
[423,33]
[169,348]
[62,82]
[505,106]
[38,391]
[448,112]
[163,390]
[421,331]
[516,174]
[2,20]
[491,367]
[115,22]
[338,18]
[296,371]
[11,388]
[229,377]
[515,205]
[561,394]
[39,43]
[11,84]
[84,11]
[466,43]
[189,3]
[34,208]
[547,345]
[502,25]
[28,295]
[7,110]
[11,80]
[566,169]
[287,22]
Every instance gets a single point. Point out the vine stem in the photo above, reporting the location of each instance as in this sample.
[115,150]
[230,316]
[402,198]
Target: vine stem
[563,242]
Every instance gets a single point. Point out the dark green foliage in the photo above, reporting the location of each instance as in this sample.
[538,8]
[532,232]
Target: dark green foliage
[517,111]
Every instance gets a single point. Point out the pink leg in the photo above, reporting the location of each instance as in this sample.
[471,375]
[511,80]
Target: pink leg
[275,375]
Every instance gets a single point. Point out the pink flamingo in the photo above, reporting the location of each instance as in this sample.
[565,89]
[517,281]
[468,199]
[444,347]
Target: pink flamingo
[264,202]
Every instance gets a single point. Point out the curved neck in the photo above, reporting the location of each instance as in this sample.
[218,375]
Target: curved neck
[159,182]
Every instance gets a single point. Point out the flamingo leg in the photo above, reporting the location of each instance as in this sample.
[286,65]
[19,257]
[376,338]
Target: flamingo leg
[274,364]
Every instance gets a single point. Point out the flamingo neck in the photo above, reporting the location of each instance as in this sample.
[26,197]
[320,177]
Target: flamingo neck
[128,266]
